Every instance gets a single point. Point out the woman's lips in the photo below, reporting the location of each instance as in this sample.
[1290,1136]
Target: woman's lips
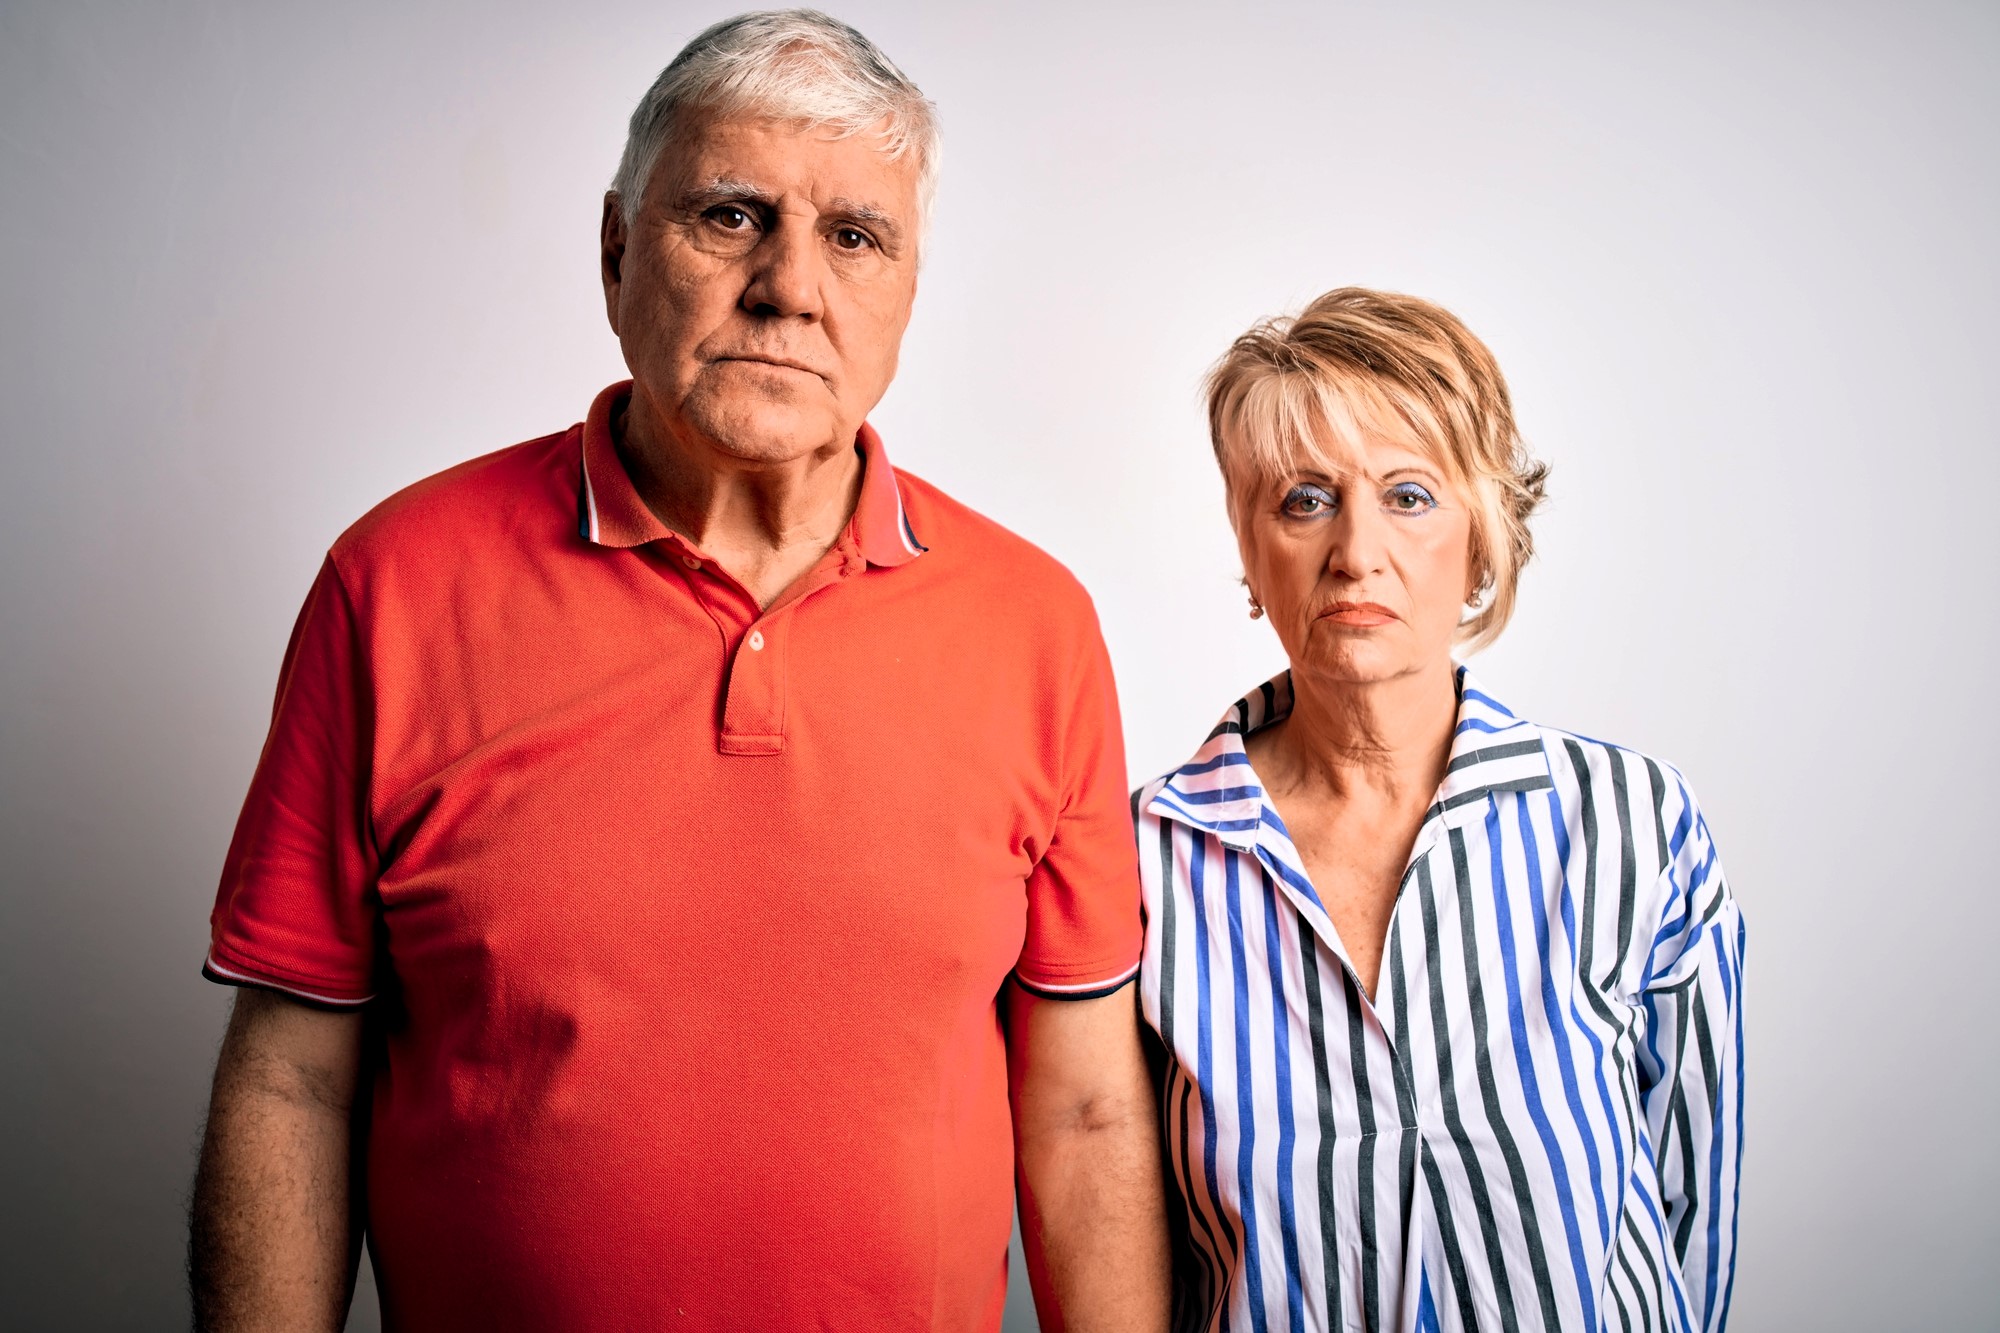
[1358,614]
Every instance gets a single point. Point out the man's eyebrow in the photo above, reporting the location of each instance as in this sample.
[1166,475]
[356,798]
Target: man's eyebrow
[856,211]
[722,190]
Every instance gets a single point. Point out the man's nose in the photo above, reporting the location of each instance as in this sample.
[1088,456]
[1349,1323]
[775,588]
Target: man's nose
[787,271]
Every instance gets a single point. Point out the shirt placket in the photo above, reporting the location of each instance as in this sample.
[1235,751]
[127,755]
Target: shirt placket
[757,645]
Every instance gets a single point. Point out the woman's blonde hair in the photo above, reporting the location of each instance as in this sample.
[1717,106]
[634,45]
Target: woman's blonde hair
[1308,388]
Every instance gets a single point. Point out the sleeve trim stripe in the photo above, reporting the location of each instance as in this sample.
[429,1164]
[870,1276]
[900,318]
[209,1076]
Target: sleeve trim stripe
[230,977]
[1086,990]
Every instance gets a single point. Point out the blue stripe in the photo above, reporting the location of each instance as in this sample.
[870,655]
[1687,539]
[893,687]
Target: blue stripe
[1673,1272]
[1288,1220]
[1217,795]
[1736,1167]
[1204,1023]
[909,533]
[1681,825]
[1517,1022]
[1479,696]
[1583,1025]
[1211,825]
[1246,1092]
[1427,1311]
[1715,1137]
[1297,882]
[1228,759]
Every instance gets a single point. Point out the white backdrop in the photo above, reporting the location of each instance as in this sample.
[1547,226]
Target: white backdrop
[263,264]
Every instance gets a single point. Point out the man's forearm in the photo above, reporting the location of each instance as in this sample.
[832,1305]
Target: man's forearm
[1087,1141]
[1093,1222]
[272,1238]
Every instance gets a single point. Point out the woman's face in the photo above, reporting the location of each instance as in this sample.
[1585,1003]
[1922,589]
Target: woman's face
[1363,574]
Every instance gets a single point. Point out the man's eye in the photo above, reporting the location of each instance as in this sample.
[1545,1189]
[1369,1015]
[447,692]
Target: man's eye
[1306,501]
[851,238]
[1410,498]
[730,218]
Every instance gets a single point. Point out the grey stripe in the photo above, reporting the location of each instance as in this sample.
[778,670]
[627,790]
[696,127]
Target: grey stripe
[1658,782]
[1482,1202]
[1199,1306]
[1512,750]
[1653,1269]
[1628,868]
[1586,930]
[1169,922]
[1364,1096]
[1329,1239]
[1678,1120]
[1454,1253]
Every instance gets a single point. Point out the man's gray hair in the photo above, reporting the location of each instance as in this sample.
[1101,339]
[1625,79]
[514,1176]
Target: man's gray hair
[787,64]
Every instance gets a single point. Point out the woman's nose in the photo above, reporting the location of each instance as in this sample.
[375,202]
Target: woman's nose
[1358,549]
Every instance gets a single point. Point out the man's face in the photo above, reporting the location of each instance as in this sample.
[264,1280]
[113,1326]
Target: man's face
[762,293]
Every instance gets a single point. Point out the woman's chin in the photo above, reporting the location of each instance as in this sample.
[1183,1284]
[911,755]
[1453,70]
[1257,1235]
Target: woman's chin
[1354,665]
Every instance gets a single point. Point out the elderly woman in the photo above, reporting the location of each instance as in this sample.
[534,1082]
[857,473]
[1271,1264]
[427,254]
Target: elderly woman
[1449,999]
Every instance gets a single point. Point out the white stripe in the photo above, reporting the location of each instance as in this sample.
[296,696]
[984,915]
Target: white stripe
[590,500]
[269,984]
[903,528]
[1072,989]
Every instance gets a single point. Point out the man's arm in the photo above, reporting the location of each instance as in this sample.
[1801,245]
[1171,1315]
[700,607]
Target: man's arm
[273,1237]
[1087,1142]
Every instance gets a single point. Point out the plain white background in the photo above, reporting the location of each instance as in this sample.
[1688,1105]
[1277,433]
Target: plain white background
[260,265]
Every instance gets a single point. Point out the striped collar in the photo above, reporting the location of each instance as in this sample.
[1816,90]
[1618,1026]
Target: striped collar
[1219,793]
[609,511]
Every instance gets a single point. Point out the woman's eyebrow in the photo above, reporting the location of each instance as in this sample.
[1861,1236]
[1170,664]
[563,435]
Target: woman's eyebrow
[1418,468]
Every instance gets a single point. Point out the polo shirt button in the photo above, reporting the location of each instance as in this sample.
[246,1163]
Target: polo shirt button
[756,641]
[690,562]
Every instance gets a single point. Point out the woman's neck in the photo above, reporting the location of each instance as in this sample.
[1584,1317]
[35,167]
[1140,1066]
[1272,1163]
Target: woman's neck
[1379,741]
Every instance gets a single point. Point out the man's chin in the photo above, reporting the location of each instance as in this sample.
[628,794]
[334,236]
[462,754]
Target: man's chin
[766,431]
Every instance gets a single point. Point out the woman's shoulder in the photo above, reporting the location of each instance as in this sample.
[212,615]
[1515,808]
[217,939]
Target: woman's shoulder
[1632,800]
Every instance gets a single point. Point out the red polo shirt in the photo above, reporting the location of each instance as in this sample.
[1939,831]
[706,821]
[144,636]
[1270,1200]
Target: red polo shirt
[687,920]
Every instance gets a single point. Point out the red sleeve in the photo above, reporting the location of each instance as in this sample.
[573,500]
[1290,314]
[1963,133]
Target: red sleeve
[297,908]
[1084,927]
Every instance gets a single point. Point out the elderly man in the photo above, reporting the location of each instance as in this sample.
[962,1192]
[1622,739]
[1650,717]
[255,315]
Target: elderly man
[689,872]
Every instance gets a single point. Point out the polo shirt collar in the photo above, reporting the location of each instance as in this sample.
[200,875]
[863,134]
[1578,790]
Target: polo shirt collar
[610,512]
[1218,792]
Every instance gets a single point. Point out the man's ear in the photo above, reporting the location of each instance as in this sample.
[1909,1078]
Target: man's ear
[611,235]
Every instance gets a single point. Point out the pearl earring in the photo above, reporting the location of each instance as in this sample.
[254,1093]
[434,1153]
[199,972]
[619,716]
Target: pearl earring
[1256,608]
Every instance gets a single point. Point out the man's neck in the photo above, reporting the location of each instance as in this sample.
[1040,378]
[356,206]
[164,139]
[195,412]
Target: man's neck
[765,525]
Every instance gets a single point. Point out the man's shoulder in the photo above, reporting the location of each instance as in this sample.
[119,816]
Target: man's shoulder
[469,506]
[980,547]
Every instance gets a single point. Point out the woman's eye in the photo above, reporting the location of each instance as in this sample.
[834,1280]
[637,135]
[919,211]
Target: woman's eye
[1410,498]
[850,238]
[1306,501]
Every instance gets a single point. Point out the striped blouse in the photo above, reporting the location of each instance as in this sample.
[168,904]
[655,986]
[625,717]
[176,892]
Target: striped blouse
[1536,1121]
